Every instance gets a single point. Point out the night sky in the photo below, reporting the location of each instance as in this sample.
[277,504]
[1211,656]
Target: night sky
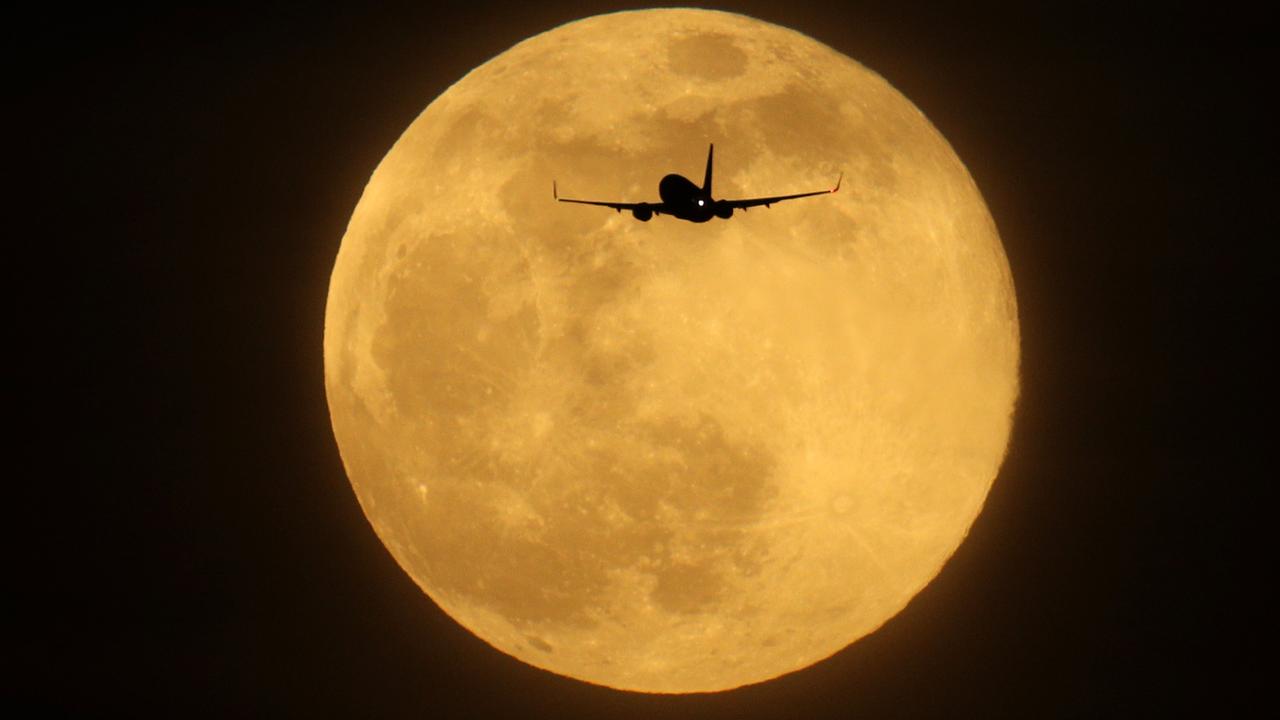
[186,541]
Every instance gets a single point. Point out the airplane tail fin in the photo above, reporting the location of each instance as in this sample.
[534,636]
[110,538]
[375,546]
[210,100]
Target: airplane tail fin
[706,180]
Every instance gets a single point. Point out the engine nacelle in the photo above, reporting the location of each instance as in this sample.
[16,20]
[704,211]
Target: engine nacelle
[642,214]
[723,210]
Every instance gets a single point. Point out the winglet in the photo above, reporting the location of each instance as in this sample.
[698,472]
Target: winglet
[837,187]
[554,193]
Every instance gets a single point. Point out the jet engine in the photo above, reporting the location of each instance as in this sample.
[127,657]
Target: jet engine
[642,214]
[723,210]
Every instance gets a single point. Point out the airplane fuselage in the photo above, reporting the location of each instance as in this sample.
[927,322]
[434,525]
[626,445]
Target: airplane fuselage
[687,201]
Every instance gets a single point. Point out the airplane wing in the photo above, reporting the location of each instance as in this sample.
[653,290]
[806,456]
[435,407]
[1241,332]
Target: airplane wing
[767,201]
[657,208]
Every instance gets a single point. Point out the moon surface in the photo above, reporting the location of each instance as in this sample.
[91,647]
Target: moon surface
[665,456]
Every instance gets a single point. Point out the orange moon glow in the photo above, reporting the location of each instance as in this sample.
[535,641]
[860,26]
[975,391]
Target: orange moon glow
[664,456]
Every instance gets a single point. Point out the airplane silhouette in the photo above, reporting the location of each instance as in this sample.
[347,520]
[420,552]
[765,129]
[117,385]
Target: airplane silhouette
[682,199]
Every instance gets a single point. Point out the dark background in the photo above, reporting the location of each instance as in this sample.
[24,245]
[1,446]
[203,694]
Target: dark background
[185,539]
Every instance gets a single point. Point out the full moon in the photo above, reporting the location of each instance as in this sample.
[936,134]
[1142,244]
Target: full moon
[664,456]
